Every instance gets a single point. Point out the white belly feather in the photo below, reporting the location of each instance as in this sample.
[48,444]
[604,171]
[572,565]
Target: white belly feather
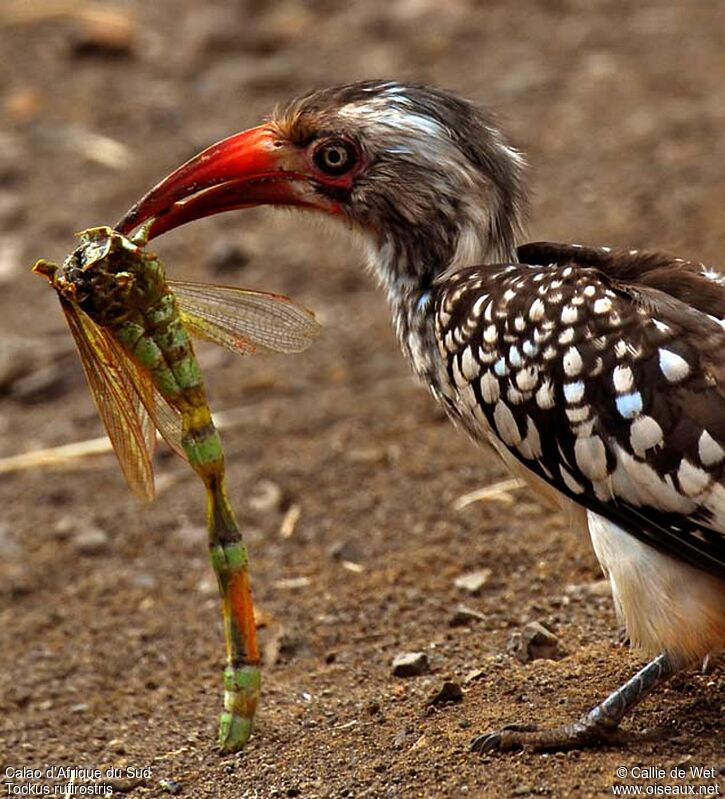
[665,603]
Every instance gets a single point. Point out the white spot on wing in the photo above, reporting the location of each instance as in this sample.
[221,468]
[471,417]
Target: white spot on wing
[530,447]
[636,482]
[674,367]
[623,379]
[570,482]
[500,367]
[566,336]
[572,362]
[490,334]
[469,365]
[490,390]
[711,274]
[591,457]
[629,405]
[644,434]
[458,378]
[661,326]
[537,310]
[578,415]
[692,479]
[478,305]
[545,395]
[506,424]
[526,378]
[569,315]
[602,305]
[487,356]
[574,392]
[709,450]
[515,397]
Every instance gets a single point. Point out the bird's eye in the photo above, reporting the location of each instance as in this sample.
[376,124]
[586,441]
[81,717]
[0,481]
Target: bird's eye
[335,157]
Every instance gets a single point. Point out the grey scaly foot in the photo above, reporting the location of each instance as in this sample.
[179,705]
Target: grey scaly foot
[599,727]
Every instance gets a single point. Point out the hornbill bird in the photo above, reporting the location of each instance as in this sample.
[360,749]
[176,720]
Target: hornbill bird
[597,375]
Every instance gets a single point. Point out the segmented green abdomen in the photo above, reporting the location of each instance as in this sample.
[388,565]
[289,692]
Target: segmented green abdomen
[159,341]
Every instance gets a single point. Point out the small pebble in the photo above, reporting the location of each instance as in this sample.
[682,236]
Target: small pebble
[473,582]
[533,643]
[171,786]
[64,527]
[347,550]
[105,31]
[90,540]
[18,580]
[410,664]
[207,586]
[400,739]
[266,496]
[117,745]
[463,615]
[449,693]
[143,580]
[597,588]
[293,583]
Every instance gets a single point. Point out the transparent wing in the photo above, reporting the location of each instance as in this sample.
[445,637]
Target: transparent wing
[118,398]
[166,419]
[243,320]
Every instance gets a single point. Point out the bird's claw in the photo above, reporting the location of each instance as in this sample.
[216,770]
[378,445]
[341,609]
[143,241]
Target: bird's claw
[488,742]
[579,735]
[504,740]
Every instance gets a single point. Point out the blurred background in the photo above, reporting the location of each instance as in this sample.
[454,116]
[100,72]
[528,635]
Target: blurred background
[342,469]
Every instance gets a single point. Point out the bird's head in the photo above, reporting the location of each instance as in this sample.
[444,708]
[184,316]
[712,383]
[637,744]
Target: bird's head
[424,175]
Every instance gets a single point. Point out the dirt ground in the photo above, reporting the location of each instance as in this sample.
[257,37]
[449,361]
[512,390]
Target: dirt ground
[343,471]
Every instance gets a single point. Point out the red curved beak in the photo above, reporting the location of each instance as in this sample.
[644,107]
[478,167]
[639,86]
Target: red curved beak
[250,168]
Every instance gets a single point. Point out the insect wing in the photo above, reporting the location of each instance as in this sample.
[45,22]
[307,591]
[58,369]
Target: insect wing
[166,419]
[116,397]
[244,321]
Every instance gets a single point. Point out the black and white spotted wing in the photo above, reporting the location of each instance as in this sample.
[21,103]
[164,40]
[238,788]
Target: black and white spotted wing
[612,391]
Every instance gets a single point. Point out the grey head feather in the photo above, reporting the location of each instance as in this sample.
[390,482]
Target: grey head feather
[442,188]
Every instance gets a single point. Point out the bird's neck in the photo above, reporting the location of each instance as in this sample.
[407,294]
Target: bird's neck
[410,270]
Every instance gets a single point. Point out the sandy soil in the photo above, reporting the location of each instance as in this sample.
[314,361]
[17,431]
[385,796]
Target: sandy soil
[110,638]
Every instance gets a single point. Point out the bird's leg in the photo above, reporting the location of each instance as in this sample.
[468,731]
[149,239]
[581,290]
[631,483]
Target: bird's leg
[242,675]
[599,726]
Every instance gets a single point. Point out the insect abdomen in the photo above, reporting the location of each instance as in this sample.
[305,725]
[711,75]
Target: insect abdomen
[162,345]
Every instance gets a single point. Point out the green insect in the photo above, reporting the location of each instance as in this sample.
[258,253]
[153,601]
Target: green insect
[131,327]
